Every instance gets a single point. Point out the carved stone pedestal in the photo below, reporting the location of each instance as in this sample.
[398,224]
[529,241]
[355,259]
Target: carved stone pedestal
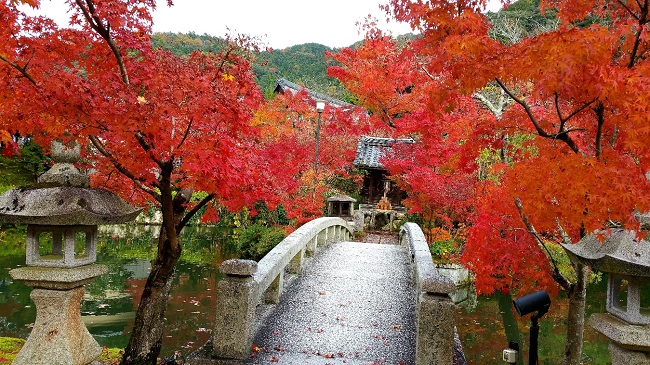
[59,336]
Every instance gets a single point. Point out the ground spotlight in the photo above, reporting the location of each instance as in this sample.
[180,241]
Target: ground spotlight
[538,302]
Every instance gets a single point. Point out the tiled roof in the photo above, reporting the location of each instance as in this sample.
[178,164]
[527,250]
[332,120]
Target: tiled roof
[341,198]
[371,149]
[284,85]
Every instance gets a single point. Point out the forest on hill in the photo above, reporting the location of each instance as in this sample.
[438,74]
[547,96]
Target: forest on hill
[305,64]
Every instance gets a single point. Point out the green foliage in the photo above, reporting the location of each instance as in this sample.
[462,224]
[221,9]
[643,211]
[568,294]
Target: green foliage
[257,240]
[348,185]
[303,64]
[264,216]
[183,44]
[9,348]
[23,169]
[443,248]
[564,264]
[521,19]
[111,356]
[12,239]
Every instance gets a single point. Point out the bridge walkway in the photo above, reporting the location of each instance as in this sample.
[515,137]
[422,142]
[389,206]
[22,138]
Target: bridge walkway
[354,303]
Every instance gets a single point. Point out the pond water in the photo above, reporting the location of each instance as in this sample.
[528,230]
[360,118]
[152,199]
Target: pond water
[108,309]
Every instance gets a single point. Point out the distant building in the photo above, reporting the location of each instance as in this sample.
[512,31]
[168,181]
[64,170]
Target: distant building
[376,182]
[282,86]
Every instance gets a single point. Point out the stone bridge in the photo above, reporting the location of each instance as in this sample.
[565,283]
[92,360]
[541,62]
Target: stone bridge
[319,298]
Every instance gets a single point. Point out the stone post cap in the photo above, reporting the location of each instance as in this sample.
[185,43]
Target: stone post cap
[238,267]
[437,285]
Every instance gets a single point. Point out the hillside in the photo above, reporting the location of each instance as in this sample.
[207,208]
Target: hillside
[303,64]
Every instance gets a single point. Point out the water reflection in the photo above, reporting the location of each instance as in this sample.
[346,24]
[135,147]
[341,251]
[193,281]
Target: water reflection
[109,305]
[110,302]
[483,327]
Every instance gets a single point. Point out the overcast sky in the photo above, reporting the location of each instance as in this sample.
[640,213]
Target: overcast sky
[279,23]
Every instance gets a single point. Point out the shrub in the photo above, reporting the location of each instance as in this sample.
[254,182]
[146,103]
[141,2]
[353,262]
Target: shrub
[257,240]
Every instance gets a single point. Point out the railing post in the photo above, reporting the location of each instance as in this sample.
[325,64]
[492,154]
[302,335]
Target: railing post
[435,322]
[272,294]
[322,237]
[311,246]
[295,266]
[235,310]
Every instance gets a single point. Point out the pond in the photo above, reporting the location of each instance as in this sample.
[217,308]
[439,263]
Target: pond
[109,305]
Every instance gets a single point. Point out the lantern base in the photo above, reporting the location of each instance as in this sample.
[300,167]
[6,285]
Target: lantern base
[57,279]
[625,335]
[621,356]
[59,336]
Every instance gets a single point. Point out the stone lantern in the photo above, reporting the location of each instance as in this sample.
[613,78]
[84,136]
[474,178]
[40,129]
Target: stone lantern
[340,205]
[626,260]
[62,214]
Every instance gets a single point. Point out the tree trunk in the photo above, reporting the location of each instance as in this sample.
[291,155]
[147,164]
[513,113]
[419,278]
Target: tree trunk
[576,318]
[146,337]
[509,322]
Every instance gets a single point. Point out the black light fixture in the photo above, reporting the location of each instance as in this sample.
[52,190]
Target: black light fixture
[540,302]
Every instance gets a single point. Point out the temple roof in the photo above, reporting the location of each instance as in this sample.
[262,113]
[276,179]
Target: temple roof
[371,149]
[283,85]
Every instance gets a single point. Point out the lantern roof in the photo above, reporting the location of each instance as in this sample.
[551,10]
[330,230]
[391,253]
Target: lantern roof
[66,205]
[621,253]
[63,197]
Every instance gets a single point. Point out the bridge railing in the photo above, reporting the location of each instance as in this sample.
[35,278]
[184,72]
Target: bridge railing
[247,283]
[435,310]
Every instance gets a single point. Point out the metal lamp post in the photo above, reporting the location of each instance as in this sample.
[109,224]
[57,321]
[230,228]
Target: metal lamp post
[320,106]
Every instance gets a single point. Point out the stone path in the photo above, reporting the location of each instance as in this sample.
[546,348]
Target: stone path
[381,238]
[354,304]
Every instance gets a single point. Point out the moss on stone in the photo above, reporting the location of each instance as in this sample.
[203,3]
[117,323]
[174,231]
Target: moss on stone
[9,348]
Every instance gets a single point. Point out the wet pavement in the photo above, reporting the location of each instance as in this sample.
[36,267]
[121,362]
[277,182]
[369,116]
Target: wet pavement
[353,304]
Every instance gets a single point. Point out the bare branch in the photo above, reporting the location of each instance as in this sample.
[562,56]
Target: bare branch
[187,133]
[193,212]
[139,136]
[22,70]
[557,275]
[564,137]
[565,237]
[88,10]
[426,72]
[496,111]
[139,182]
[624,5]
[600,115]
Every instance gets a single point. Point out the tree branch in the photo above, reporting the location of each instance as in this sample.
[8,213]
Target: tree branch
[642,19]
[104,31]
[187,132]
[496,111]
[122,169]
[600,115]
[192,212]
[557,275]
[139,136]
[22,70]
[624,5]
[563,136]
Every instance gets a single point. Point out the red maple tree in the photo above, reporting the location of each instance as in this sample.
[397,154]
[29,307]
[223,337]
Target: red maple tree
[175,132]
[580,167]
